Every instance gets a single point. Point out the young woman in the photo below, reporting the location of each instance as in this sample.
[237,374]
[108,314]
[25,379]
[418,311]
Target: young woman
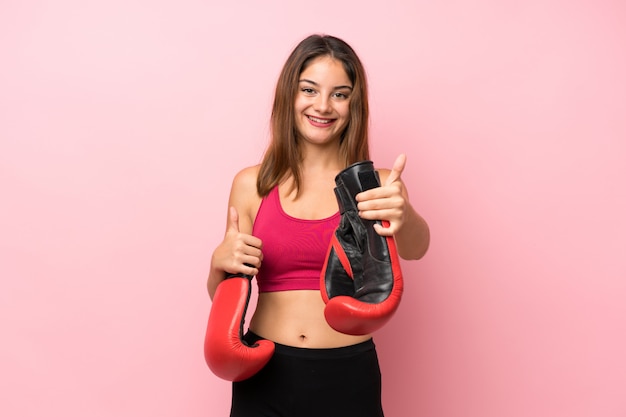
[281,216]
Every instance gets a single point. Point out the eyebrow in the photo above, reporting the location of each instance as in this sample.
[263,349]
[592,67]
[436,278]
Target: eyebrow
[339,87]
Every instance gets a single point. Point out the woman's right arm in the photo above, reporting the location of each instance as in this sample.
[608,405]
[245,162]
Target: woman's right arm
[239,251]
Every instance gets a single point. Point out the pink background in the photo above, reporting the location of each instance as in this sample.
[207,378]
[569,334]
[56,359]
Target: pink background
[123,122]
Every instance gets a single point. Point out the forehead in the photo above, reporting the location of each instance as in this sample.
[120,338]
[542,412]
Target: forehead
[327,70]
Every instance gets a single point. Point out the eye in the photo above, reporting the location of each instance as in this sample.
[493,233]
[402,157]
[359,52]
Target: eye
[340,95]
[307,90]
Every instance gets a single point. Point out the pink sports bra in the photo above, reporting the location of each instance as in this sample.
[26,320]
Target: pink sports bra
[294,250]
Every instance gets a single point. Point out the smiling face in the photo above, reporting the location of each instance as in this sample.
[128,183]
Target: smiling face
[322,104]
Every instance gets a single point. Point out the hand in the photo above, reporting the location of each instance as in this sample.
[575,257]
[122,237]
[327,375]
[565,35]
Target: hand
[388,202]
[238,252]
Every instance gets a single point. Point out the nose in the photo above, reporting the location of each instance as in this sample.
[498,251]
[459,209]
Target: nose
[322,104]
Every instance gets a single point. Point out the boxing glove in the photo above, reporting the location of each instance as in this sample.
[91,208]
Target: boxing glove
[227,354]
[361,281]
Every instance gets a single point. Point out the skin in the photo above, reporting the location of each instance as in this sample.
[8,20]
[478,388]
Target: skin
[296,318]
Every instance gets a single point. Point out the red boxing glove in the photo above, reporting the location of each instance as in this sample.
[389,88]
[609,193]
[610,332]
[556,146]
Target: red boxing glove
[361,281]
[225,351]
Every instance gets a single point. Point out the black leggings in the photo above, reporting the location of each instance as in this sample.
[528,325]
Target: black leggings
[298,382]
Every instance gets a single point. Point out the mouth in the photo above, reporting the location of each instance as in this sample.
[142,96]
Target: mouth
[320,121]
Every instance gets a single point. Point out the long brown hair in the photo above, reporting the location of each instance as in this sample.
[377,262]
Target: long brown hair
[283,155]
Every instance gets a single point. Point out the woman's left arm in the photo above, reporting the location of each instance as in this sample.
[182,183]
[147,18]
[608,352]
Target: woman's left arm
[390,202]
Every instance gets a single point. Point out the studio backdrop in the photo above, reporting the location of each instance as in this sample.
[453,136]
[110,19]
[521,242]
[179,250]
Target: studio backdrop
[122,124]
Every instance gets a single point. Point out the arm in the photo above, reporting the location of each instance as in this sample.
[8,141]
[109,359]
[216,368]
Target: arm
[413,238]
[239,251]
[391,202]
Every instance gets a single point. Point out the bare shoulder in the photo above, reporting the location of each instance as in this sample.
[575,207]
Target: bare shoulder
[245,180]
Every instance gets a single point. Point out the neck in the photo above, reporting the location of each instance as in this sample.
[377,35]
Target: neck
[321,158]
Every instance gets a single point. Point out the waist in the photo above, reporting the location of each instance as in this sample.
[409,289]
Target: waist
[315,353]
[296,318]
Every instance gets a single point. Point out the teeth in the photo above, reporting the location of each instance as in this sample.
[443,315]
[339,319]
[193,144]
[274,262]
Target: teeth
[316,120]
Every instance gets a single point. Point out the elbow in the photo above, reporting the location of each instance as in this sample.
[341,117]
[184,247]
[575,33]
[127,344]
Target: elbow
[414,254]
[415,249]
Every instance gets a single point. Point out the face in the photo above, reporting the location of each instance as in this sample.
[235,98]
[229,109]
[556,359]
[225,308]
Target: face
[322,105]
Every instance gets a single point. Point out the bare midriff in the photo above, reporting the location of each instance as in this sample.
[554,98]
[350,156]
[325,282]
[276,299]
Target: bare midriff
[296,318]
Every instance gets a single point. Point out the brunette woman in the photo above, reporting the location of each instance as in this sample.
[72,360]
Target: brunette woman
[281,216]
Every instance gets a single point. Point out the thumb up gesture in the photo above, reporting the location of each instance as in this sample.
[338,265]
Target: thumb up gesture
[387,202]
[239,252]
